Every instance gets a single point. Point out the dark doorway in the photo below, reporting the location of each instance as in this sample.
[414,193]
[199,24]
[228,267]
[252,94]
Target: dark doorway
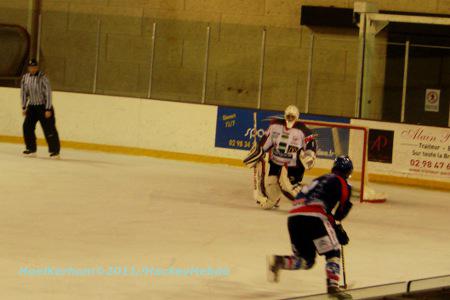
[428,68]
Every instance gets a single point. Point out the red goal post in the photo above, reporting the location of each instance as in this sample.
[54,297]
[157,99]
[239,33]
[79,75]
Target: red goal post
[346,139]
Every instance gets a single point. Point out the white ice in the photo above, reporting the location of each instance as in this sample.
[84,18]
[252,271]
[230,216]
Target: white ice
[92,209]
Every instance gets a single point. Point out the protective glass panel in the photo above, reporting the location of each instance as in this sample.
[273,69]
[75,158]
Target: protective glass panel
[68,50]
[405,73]
[234,65]
[383,91]
[285,68]
[428,85]
[333,74]
[179,60]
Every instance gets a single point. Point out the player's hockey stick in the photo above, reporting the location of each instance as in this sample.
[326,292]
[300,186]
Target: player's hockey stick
[344,278]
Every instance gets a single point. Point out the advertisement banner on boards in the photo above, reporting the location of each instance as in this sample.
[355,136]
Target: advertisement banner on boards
[235,126]
[417,151]
[424,150]
[381,145]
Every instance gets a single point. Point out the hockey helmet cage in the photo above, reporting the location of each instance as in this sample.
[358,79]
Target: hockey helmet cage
[291,110]
[343,165]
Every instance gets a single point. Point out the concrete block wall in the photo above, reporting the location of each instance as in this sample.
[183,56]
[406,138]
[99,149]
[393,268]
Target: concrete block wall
[14,12]
[69,39]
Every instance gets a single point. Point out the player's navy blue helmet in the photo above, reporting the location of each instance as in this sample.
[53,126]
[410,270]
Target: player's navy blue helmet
[343,165]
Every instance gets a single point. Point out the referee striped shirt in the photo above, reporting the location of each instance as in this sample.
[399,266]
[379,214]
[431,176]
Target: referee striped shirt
[36,90]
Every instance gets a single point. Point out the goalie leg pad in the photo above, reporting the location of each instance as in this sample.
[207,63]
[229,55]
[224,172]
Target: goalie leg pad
[253,156]
[267,203]
[273,192]
[259,191]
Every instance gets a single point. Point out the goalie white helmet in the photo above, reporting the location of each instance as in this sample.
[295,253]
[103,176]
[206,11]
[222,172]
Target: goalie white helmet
[291,115]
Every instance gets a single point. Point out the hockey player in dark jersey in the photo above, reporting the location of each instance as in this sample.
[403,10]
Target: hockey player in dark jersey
[292,149]
[314,228]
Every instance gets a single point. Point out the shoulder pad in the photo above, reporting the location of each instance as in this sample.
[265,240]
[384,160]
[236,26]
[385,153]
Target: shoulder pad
[277,122]
[300,125]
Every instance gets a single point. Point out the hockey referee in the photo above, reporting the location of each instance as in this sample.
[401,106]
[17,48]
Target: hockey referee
[37,106]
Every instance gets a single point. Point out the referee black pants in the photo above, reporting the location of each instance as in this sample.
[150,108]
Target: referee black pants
[34,114]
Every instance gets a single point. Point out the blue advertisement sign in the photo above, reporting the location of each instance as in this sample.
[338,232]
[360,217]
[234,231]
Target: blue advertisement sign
[235,130]
[235,127]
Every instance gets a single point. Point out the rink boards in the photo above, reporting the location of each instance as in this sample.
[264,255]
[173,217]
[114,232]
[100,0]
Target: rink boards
[420,155]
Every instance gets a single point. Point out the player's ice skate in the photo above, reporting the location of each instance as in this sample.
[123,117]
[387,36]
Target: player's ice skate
[335,292]
[274,264]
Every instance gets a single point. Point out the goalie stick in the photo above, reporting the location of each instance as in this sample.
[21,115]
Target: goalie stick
[255,129]
[254,145]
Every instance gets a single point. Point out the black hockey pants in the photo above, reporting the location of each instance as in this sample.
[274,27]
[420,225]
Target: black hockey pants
[34,114]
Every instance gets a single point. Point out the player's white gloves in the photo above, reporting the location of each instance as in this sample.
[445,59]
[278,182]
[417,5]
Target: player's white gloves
[308,158]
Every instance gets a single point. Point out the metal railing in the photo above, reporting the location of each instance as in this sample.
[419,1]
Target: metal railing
[409,288]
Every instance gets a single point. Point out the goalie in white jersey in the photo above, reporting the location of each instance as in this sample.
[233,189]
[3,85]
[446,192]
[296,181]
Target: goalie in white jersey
[292,149]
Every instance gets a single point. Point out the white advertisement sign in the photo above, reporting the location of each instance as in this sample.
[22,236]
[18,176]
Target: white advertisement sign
[432,98]
[418,151]
[426,150]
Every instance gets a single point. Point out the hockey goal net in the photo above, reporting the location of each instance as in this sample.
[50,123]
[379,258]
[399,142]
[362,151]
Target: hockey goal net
[336,139]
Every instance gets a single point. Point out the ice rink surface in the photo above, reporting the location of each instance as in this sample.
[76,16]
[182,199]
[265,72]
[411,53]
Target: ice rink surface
[91,210]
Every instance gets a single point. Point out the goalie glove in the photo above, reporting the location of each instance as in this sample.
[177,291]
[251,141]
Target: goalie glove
[286,184]
[341,234]
[253,156]
[308,158]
